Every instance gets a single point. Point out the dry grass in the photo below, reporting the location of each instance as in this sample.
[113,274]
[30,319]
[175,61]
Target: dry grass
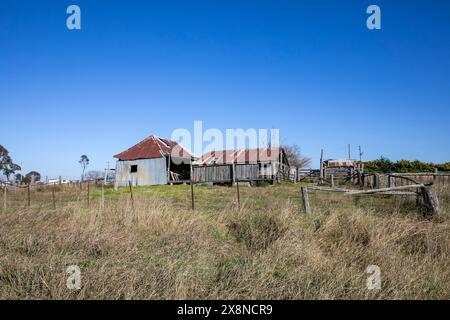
[266,250]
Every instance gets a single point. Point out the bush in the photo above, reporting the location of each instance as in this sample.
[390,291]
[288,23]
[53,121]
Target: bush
[384,165]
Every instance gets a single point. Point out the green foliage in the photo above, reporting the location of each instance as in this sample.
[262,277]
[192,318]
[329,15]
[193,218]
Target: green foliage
[32,177]
[84,162]
[384,165]
[7,167]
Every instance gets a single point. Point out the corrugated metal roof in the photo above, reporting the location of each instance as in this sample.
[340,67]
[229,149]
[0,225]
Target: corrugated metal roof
[153,147]
[240,156]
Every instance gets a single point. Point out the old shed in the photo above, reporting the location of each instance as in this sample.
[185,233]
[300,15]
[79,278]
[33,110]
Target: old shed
[153,161]
[263,164]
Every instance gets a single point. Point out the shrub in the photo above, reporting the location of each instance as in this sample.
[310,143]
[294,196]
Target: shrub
[384,165]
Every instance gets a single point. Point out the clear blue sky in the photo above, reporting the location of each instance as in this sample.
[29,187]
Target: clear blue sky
[310,68]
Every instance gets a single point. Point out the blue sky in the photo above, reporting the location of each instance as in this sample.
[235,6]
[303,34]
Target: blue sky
[310,68]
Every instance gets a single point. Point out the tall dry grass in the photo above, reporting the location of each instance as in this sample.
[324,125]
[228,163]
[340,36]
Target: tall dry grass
[266,250]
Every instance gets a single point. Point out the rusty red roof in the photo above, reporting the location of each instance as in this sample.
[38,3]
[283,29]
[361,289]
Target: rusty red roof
[240,156]
[153,147]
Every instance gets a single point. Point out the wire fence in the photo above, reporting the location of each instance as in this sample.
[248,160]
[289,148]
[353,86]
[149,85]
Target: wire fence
[48,195]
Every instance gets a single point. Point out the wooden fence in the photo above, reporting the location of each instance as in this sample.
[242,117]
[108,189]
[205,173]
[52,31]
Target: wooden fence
[437,178]
[226,173]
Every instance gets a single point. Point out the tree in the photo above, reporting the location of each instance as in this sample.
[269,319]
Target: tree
[32,177]
[295,157]
[18,178]
[94,175]
[84,162]
[5,159]
[7,167]
[10,169]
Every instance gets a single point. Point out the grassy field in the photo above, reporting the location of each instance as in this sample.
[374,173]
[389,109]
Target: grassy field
[159,248]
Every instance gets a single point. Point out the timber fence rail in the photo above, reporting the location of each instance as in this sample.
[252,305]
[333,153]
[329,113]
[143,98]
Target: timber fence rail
[426,197]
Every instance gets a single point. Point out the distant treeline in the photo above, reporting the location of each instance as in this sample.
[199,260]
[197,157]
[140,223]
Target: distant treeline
[384,165]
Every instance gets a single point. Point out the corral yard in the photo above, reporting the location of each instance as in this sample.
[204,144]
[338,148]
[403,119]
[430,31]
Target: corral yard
[157,247]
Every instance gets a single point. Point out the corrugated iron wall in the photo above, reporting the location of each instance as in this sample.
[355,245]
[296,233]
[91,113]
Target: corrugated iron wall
[149,172]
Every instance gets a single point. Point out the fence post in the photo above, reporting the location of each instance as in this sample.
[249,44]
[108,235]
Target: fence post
[238,195]
[430,200]
[359,177]
[103,196]
[192,185]
[305,200]
[419,198]
[332,180]
[377,181]
[192,196]
[53,196]
[131,194]
[88,195]
[4,197]
[321,166]
[29,195]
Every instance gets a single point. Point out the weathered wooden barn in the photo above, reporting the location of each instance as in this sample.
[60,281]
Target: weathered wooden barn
[263,164]
[153,161]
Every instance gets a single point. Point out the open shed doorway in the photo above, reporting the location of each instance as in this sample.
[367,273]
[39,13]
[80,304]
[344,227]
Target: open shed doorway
[178,170]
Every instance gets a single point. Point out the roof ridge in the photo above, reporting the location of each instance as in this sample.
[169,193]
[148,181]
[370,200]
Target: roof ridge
[133,146]
[151,147]
[159,146]
[243,149]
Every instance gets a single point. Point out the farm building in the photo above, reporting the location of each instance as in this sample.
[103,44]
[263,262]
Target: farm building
[153,161]
[270,164]
[339,168]
[339,163]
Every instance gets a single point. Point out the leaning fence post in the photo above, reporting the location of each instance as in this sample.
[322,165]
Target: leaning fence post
[131,194]
[305,200]
[430,200]
[332,180]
